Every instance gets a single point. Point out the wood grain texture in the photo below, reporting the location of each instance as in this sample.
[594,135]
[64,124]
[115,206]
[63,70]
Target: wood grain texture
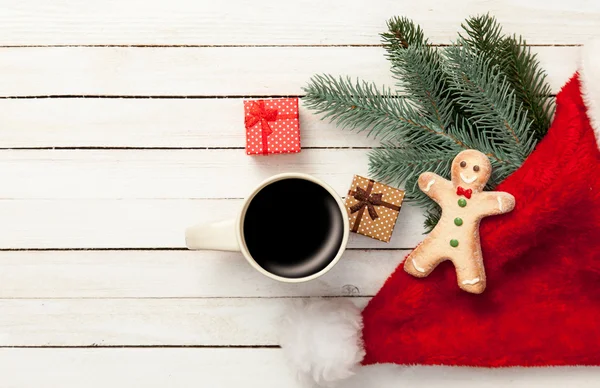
[178,274]
[268,22]
[175,123]
[164,174]
[265,368]
[146,322]
[207,71]
[143,223]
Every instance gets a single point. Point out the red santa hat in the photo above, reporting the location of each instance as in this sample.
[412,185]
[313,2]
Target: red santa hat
[542,304]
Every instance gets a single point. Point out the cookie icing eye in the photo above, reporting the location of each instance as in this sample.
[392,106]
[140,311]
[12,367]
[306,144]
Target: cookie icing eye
[463,164]
[475,168]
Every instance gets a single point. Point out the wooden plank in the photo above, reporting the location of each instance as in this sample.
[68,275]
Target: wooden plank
[206,71]
[234,368]
[135,322]
[203,71]
[176,123]
[142,223]
[37,22]
[75,174]
[178,274]
[148,368]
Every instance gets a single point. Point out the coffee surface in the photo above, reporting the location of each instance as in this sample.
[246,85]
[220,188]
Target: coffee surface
[293,228]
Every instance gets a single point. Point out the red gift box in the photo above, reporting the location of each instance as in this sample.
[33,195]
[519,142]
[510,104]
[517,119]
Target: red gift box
[272,126]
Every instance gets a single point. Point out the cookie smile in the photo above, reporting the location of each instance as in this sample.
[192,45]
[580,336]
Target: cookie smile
[467,180]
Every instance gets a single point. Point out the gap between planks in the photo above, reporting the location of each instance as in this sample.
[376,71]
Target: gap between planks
[159,97]
[149,97]
[95,346]
[185,298]
[168,148]
[165,249]
[244,45]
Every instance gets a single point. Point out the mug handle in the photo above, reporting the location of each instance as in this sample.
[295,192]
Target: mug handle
[218,236]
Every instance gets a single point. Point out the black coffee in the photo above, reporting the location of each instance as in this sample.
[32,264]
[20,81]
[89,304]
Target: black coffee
[293,228]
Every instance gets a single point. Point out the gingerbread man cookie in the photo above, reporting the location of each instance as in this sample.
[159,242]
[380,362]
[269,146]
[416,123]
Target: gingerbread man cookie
[456,236]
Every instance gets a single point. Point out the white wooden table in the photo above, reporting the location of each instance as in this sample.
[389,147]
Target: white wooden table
[121,124]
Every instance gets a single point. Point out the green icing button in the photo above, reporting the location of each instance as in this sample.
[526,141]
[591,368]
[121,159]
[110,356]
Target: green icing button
[458,221]
[462,202]
[453,243]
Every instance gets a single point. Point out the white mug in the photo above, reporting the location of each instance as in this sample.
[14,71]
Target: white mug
[324,224]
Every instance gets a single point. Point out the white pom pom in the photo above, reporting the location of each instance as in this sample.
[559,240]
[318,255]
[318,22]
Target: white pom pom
[322,339]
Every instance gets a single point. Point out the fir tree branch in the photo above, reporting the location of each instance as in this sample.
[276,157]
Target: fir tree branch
[404,165]
[523,71]
[362,106]
[432,217]
[489,100]
[418,69]
[484,34]
[397,165]
[419,74]
[484,93]
[515,60]
[403,33]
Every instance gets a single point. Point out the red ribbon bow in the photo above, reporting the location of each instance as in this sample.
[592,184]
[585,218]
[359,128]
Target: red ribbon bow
[370,201]
[259,113]
[467,193]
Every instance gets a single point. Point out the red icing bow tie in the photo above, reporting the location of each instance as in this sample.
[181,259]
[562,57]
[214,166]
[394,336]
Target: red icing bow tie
[467,193]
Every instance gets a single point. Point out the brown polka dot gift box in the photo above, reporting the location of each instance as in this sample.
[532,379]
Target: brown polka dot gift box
[272,126]
[373,208]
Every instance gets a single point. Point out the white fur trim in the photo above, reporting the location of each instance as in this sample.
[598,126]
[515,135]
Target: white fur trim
[395,376]
[322,340]
[590,83]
